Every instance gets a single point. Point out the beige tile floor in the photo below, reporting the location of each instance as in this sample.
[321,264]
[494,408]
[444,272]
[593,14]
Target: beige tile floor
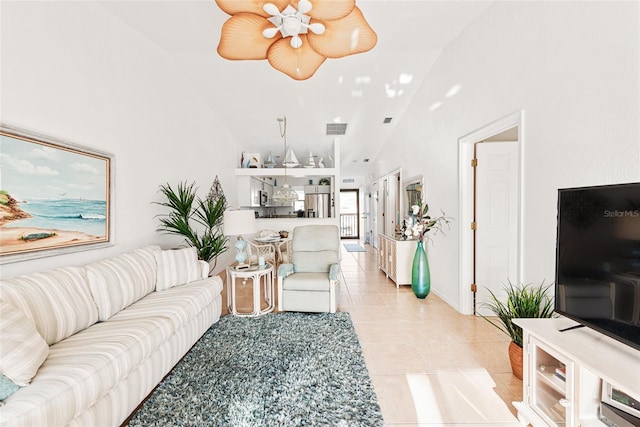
[430,365]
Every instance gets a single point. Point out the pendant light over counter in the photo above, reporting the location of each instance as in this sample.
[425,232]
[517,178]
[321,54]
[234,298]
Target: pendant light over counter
[285,194]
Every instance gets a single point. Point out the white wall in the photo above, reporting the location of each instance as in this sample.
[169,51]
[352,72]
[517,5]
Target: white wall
[573,67]
[71,71]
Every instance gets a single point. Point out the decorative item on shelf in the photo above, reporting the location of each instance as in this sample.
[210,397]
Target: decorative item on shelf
[317,29]
[321,162]
[285,194]
[242,165]
[252,160]
[271,162]
[524,301]
[324,181]
[331,163]
[237,223]
[420,273]
[185,208]
[290,159]
[311,163]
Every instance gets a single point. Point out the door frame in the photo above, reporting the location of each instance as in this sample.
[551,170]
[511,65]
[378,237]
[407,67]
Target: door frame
[357,191]
[466,179]
[373,213]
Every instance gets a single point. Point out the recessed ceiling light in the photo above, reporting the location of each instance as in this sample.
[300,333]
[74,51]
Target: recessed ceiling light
[366,160]
[387,120]
[435,106]
[453,91]
[405,79]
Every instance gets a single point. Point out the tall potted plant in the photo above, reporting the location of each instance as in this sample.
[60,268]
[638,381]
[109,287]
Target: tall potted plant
[526,301]
[198,220]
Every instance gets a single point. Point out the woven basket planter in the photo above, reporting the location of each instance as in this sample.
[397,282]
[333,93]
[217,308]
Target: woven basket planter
[515,357]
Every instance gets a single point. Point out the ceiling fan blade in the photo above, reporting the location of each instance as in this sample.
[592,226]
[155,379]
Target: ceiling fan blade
[271,9]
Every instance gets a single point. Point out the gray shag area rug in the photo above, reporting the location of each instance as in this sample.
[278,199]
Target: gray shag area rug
[284,369]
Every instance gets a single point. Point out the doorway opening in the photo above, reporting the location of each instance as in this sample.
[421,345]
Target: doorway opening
[491,210]
[349,214]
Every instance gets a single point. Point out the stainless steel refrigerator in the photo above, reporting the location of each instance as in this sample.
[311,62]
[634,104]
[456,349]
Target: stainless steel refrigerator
[317,205]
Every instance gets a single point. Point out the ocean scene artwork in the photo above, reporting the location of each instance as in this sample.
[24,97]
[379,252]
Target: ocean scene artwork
[51,195]
[86,216]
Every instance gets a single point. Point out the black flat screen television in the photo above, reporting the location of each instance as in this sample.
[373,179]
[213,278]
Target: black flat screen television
[598,259]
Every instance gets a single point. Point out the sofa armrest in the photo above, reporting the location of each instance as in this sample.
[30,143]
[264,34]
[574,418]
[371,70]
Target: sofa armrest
[334,271]
[285,269]
[204,265]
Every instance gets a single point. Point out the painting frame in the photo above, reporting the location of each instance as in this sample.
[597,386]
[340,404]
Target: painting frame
[65,196]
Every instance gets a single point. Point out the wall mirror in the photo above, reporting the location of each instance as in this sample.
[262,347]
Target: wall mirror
[412,193]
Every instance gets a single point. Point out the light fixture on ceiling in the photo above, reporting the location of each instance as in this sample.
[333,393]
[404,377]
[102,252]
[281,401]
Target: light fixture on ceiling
[324,29]
[285,194]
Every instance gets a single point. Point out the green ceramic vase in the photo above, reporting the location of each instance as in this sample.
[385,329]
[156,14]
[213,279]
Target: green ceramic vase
[420,274]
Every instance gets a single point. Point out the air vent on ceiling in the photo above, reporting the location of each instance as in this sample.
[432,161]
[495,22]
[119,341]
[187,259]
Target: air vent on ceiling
[387,120]
[336,128]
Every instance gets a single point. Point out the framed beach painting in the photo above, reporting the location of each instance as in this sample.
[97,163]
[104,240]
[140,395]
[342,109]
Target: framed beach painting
[55,197]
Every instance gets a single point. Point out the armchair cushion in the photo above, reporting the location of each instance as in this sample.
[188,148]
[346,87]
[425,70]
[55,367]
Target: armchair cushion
[315,248]
[307,282]
[285,270]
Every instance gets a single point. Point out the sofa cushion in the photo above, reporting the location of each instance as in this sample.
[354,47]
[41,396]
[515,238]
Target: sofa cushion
[57,301]
[177,267]
[122,280]
[22,349]
[179,304]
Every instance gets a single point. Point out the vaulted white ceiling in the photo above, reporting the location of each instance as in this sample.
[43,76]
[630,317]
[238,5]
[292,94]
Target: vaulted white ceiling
[360,90]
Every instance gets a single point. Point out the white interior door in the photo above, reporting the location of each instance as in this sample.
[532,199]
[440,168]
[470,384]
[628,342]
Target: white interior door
[373,213]
[383,193]
[496,217]
[392,204]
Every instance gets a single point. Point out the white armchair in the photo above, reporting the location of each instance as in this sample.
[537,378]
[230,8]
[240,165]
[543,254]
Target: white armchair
[310,282]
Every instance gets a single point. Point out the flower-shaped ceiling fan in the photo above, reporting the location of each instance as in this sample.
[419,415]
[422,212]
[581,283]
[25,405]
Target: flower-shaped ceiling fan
[295,36]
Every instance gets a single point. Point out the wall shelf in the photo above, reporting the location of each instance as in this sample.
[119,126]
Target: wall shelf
[292,172]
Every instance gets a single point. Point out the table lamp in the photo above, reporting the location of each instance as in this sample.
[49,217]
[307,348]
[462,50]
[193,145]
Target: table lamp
[237,223]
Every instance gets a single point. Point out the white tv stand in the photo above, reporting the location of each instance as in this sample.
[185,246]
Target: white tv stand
[588,357]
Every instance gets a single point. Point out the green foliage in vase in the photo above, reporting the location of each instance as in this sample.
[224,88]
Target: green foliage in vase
[526,301]
[198,220]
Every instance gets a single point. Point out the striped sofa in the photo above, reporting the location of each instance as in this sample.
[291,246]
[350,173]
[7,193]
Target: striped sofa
[83,346]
